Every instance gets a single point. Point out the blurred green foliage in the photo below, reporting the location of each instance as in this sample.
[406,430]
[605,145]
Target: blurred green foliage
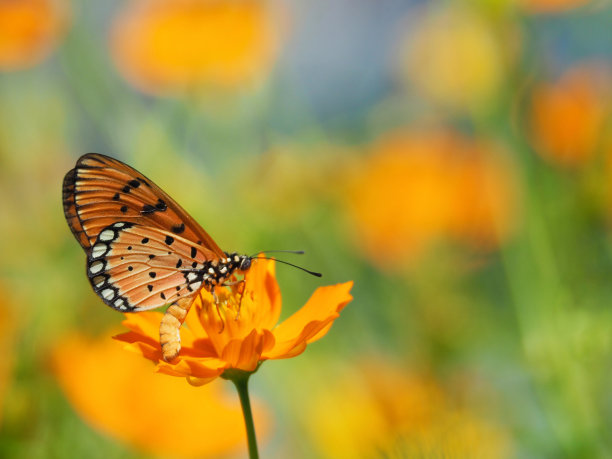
[518,333]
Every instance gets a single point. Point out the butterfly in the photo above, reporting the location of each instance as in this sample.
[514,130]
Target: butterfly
[143,250]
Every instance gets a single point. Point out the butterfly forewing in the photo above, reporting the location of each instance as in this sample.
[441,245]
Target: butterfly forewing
[101,191]
[134,267]
[70,210]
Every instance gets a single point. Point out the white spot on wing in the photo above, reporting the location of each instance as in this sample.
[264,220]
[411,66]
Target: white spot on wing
[119,303]
[191,276]
[107,235]
[96,267]
[196,285]
[119,225]
[99,281]
[98,250]
[108,293]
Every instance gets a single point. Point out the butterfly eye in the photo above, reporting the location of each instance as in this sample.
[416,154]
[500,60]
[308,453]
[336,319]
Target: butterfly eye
[245,264]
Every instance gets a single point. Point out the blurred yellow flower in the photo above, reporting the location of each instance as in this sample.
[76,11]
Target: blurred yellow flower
[29,31]
[568,116]
[163,46]
[418,188]
[550,6]
[117,393]
[454,57]
[290,180]
[379,410]
[242,330]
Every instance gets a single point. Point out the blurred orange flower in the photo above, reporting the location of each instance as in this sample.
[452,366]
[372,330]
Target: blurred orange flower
[379,410]
[7,337]
[568,116]
[151,412]
[454,56]
[418,188]
[242,331]
[162,46]
[550,6]
[30,29]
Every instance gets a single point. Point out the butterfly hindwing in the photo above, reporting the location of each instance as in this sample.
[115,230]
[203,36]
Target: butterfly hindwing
[101,191]
[135,268]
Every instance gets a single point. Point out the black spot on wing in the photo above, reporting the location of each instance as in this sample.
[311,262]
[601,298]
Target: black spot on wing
[169,240]
[161,205]
[178,229]
[124,209]
[147,209]
[134,183]
[193,252]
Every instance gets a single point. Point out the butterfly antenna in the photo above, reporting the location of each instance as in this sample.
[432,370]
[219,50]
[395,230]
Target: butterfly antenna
[290,264]
[295,252]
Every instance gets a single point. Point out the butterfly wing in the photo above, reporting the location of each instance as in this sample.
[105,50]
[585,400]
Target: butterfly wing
[70,211]
[100,191]
[135,268]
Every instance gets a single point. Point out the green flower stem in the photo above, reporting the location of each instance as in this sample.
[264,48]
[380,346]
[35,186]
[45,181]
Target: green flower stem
[241,381]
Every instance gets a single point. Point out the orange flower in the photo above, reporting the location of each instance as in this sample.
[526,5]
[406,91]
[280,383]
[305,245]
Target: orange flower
[241,331]
[8,330]
[568,117]
[418,188]
[30,30]
[151,412]
[162,46]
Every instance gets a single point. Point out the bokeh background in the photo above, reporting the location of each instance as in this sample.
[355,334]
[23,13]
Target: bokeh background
[453,158]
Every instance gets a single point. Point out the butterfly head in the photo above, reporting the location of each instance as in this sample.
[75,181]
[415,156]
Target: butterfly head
[239,263]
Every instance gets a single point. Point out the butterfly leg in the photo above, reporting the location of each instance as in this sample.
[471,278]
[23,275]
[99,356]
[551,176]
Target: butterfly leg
[169,328]
[230,284]
[217,305]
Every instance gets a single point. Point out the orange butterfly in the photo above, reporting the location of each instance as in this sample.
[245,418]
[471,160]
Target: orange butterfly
[143,250]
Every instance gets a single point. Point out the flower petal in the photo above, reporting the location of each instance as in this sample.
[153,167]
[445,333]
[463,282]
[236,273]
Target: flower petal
[208,368]
[245,354]
[261,283]
[144,336]
[311,322]
[152,353]
[143,323]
